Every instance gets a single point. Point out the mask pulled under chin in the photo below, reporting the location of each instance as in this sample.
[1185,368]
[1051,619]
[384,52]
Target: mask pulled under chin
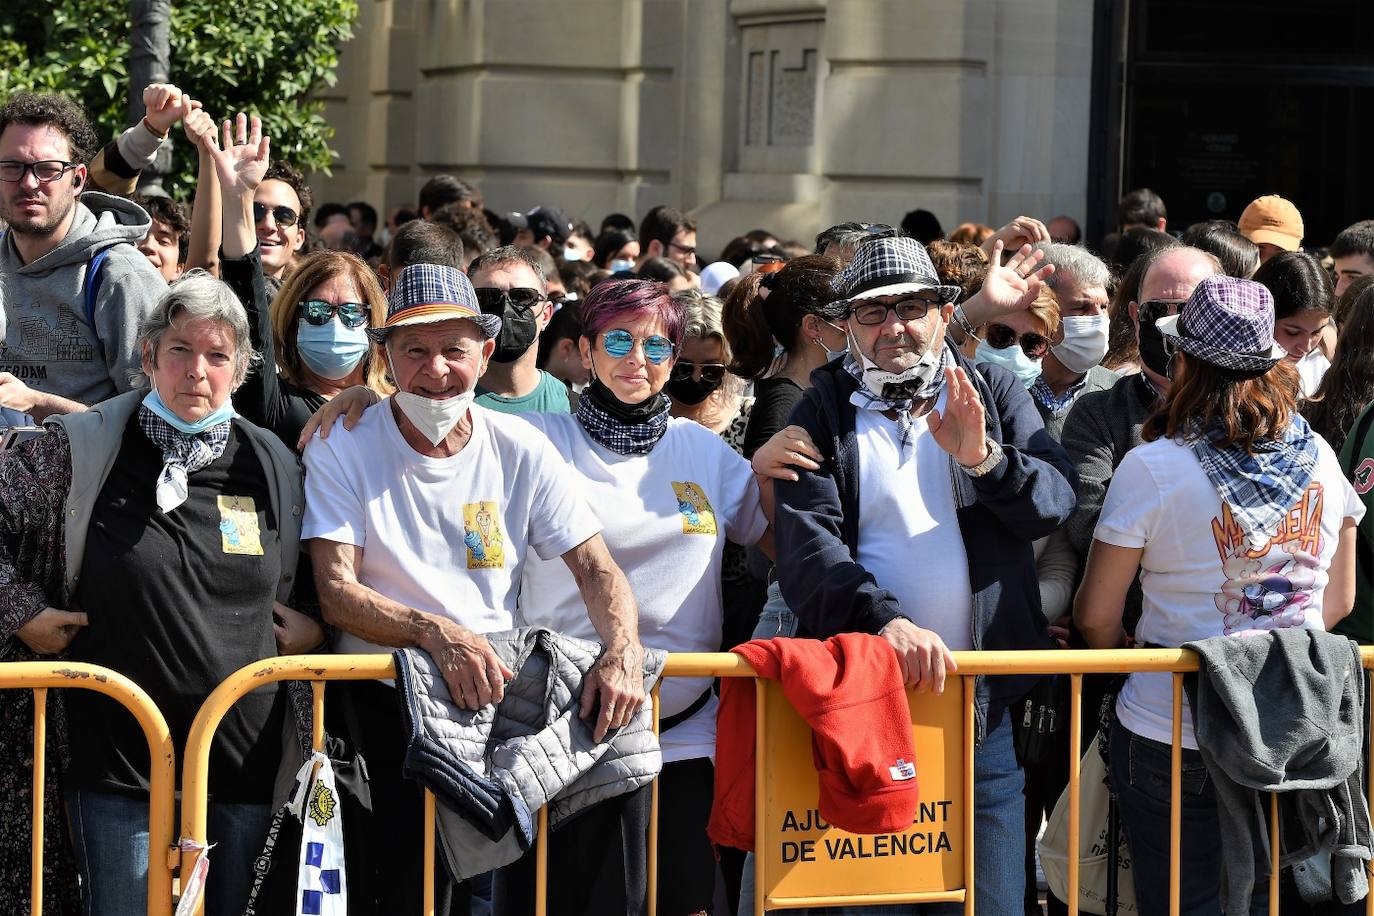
[434,418]
[898,385]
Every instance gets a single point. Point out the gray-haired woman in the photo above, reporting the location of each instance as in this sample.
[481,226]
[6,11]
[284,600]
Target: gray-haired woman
[157,534]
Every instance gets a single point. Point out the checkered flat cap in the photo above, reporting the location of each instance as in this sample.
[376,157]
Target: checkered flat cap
[426,293]
[889,267]
[1227,322]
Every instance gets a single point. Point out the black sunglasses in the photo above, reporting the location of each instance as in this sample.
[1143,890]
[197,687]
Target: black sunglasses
[318,312]
[493,301]
[999,337]
[283,214]
[711,373]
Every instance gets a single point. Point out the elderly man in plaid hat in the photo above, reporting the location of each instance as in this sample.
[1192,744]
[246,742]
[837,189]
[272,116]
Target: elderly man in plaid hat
[422,516]
[918,523]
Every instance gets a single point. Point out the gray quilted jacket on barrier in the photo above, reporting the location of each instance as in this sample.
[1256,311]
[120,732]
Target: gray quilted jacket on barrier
[492,769]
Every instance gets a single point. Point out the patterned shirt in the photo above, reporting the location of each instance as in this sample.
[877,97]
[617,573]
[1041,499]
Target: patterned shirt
[1056,404]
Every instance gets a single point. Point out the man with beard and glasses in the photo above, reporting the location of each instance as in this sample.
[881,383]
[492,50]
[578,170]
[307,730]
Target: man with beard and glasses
[73,286]
[917,523]
[510,285]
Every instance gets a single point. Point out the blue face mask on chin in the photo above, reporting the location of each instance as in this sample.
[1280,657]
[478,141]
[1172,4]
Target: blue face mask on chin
[222,414]
[331,350]
[1012,358]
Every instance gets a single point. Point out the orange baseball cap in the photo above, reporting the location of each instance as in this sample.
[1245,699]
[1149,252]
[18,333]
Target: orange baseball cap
[1274,220]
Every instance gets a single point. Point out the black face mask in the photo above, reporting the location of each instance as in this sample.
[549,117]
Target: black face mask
[518,331]
[692,391]
[642,412]
[1153,356]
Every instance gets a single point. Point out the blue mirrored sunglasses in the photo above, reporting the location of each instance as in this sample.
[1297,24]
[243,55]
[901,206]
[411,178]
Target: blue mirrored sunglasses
[619,343]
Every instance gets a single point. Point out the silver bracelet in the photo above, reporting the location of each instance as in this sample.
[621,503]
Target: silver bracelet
[964,323]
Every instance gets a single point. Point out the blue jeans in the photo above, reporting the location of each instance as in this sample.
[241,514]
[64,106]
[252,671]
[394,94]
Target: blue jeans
[110,836]
[1140,771]
[999,818]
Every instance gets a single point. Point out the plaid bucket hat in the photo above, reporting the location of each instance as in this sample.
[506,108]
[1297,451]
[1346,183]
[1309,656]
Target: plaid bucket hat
[887,267]
[1227,322]
[426,293]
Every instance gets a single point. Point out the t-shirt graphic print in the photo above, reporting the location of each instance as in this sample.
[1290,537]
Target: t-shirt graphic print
[697,515]
[482,535]
[1272,587]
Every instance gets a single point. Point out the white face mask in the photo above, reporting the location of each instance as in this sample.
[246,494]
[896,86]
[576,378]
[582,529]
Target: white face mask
[572,253]
[1085,342]
[434,419]
[876,378]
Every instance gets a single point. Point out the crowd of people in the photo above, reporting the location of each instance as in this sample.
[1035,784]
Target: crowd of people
[261,433]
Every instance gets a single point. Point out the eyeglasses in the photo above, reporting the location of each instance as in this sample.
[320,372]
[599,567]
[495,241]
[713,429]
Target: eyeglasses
[318,312]
[283,214]
[711,373]
[44,170]
[493,301]
[913,308]
[685,249]
[619,343]
[999,337]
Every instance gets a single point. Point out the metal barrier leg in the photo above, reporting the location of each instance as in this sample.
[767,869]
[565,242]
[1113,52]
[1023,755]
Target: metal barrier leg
[970,726]
[40,746]
[760,772]
[427,894]
[541,865]
[653,822]
[1273,854]
[1075,739]
[1176,797]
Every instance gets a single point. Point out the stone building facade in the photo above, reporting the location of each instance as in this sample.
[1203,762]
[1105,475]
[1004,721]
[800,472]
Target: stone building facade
[786,114]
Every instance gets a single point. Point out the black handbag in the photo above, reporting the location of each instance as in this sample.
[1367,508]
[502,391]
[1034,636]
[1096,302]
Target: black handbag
[1039,720]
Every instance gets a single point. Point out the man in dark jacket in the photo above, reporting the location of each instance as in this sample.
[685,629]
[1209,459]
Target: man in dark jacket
[918,524]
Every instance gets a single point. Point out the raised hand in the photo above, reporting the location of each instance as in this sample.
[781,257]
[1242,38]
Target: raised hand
[1010,287]
[241,160]
[164,105]
[199,127]
[960,430]
[1024,230]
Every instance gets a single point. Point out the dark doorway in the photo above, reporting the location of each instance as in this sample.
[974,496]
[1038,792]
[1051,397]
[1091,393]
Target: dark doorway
[1226,100]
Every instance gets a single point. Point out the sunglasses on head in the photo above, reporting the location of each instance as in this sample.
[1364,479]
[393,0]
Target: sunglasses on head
[999,337]
[711,373]
[912,308]
[493,301]
[619,343]
[283,214]
[318,312]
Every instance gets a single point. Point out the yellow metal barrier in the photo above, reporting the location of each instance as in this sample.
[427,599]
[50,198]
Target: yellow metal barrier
[1075,664]
[42,676]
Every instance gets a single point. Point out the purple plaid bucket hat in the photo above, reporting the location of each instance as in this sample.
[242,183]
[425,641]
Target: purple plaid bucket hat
[1227,322]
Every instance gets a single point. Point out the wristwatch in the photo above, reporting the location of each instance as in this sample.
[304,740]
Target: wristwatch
[988,463]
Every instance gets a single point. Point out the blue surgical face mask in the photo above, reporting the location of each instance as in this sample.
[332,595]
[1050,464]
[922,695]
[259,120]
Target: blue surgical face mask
[331,350]
[1012,358]
[215,417]
[620,264]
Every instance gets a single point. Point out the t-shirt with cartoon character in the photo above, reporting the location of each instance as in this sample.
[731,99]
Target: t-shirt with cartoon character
[1199,575]
[666,516]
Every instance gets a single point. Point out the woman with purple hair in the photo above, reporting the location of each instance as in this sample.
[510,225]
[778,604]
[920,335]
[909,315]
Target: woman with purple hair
[669,493]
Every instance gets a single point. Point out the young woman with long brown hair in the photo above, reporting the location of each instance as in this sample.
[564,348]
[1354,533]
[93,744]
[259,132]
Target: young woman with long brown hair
[1239,520]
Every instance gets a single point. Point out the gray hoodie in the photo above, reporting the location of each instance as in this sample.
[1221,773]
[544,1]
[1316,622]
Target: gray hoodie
[45,340]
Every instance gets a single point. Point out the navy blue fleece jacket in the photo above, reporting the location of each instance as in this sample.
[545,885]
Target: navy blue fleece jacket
[1029,494]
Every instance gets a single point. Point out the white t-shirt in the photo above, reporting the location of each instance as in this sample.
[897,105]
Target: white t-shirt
[1199,578]
[909,536]
[1311,370]
[448,536]
[666,516]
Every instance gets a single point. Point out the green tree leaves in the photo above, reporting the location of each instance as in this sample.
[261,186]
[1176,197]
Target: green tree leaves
[263,58]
